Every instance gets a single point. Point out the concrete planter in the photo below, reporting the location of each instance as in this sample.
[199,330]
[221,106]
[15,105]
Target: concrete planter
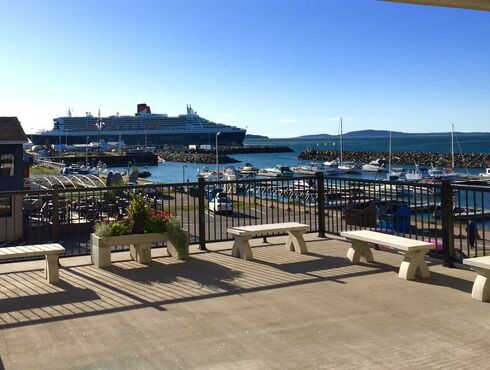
[139,247]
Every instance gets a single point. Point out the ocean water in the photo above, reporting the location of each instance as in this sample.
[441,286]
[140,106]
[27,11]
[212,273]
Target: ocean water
[171,172]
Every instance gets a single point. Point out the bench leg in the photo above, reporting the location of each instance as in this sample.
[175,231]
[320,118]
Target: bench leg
[481,286]
[359,249]
[296,242]
[140,253]
[101,257]
[241,247]
[414,264]
[51,272]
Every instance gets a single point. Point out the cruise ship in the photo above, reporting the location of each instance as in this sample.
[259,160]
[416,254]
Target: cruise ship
[144,128]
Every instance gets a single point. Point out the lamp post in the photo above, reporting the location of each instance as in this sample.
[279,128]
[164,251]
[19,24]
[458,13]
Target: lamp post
[217,160]
[86,152]
[183,172]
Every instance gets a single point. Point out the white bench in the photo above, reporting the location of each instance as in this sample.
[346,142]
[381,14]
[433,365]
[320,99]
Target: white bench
[481,286]
[413,264]
[242,234]
[51,251]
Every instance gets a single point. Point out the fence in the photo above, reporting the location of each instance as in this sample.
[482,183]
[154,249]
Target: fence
[453,217]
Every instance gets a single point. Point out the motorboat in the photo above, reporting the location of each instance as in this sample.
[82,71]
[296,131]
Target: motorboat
[485,174]
[248,169]
[207,174]
[313,169]
[144,174]
[348,167]
[417,174]
[230,173]
[377,165]
[277,171]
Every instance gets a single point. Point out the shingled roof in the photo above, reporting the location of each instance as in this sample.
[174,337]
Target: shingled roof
[11,131]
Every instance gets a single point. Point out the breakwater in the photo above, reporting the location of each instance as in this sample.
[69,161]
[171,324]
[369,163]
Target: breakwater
[194,157]
[110,160]
[475,160]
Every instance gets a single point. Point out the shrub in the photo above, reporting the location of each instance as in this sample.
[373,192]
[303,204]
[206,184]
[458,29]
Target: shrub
[138,215]
[103,229]
[120,228]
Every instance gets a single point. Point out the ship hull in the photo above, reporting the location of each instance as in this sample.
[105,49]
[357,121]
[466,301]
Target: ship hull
[152,139]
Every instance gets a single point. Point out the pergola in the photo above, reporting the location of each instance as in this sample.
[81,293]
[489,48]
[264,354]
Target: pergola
[467,4]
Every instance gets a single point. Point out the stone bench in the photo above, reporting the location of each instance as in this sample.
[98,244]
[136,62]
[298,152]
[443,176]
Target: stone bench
[139,247]
[415,250]
[51,251]
[481,286]
[242,235]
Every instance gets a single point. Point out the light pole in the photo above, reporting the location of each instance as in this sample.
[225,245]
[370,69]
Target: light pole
[183,172]
[217,160]
[86,152]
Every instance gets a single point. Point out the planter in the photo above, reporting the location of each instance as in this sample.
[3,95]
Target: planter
[139,247]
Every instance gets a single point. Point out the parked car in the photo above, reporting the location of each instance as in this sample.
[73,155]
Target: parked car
[221,204]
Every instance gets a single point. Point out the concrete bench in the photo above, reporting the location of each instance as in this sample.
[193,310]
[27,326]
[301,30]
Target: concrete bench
[413,263]
[51,251]
[481,286]
[242,235]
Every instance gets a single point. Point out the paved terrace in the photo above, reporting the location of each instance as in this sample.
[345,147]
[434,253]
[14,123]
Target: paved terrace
[283,310]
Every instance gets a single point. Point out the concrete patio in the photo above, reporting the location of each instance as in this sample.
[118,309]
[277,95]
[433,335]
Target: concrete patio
[282,310]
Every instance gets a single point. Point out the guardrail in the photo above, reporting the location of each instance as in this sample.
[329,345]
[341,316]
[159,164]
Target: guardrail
[454,217]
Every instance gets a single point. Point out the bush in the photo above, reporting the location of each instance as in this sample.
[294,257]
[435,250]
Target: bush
[138,215]
[120,228]
[103,229]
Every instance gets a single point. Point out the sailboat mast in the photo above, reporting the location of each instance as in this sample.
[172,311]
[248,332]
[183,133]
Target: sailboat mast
[341,142]
[389,157]
[452,145]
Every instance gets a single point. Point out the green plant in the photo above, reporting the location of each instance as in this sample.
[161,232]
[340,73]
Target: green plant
[119,228]
[155,225]
[138,215]
[103,229]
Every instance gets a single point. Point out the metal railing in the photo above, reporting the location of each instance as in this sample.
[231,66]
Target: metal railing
[453,217]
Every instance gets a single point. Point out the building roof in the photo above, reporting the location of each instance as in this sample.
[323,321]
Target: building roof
[11,131]
[467,4]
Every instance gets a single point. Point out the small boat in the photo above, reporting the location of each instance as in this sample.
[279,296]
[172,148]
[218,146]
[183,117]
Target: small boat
[277,171]
[348,167]
[315,168]
[207,174]
[485,174]
[144,174]
[248,169]
[418,174]
[377,165]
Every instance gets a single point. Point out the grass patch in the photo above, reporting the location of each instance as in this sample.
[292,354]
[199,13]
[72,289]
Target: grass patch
[39,170]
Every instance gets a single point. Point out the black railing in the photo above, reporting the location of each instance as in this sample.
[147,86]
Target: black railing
[451,216]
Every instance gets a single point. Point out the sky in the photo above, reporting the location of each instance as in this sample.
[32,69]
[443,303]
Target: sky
[278,68]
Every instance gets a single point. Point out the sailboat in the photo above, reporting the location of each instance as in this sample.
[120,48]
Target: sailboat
[394,174]
[345,167]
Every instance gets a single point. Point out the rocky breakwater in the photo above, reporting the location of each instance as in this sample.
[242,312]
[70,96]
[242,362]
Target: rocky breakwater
[475,160]
[175,156]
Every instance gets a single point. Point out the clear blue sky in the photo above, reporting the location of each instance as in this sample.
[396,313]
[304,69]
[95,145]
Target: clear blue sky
[282,68]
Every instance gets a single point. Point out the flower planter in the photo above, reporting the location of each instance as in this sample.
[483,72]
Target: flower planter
[139,247]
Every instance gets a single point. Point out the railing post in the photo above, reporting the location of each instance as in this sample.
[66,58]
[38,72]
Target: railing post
[321,204]
[447,222]
[55,219]
[201,190]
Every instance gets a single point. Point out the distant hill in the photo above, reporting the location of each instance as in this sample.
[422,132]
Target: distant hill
[317,136]
[250,136]
[383,133]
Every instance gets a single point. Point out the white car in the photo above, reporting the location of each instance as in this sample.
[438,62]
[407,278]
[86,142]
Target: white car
[221,203]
